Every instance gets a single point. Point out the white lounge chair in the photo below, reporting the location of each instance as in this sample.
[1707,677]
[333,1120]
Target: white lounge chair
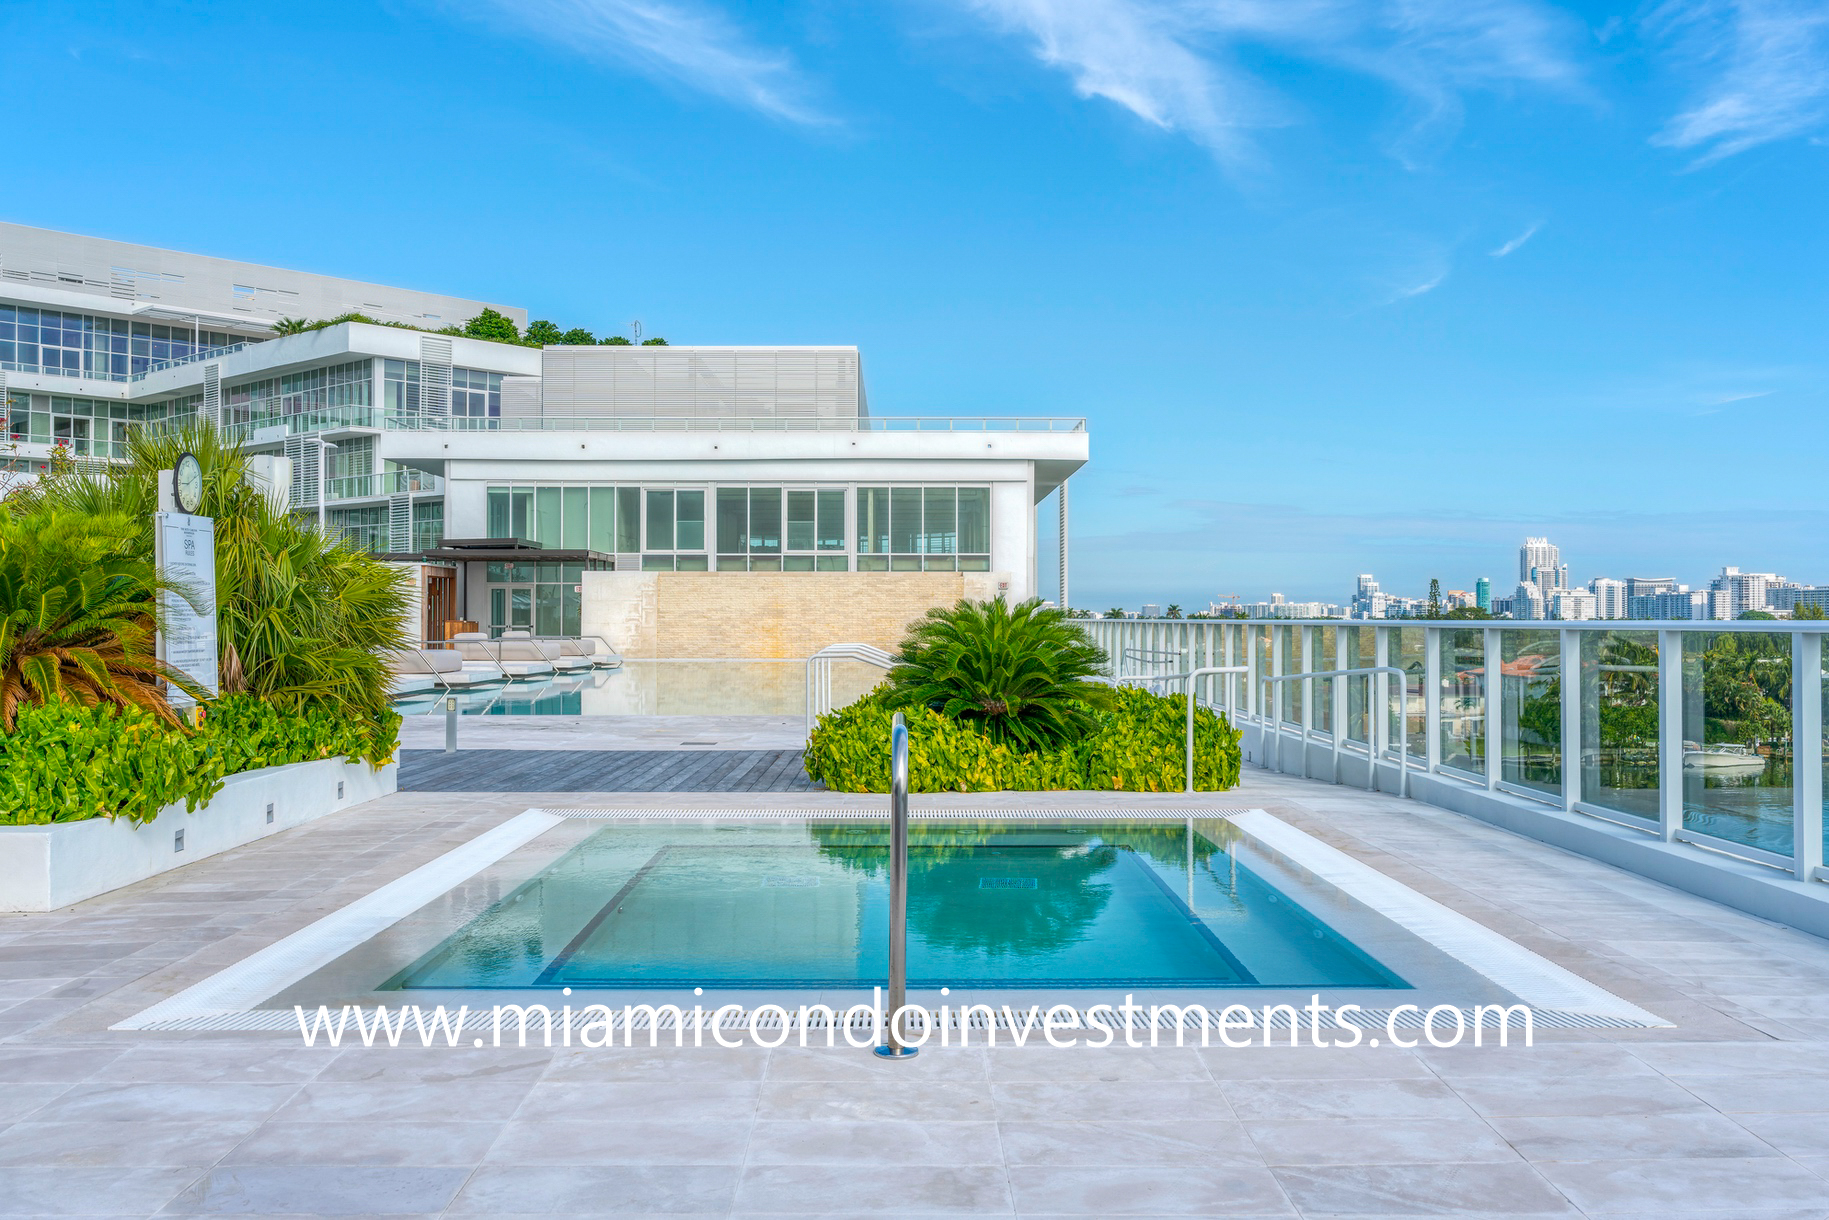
[421,669]
[596,648]
[553,650]
[516,658]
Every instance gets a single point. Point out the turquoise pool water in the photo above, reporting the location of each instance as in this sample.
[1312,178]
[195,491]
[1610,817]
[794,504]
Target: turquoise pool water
[1030,904]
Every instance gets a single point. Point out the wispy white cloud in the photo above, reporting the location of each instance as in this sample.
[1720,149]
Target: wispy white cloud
[677,40]
[1767,64]
[1415,290]
[1512,246]
[1172,62]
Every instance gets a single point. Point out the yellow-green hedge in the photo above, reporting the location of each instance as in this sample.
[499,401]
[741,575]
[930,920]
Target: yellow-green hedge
[1138,747]
[65,763]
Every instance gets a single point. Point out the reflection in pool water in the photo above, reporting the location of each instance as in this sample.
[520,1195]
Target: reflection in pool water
[656,688]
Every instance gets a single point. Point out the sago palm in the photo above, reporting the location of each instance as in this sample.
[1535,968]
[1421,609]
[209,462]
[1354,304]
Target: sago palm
[78,615]
[1016,673]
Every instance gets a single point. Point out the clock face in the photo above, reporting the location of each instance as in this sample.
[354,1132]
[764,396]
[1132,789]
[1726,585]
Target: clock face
[187,483]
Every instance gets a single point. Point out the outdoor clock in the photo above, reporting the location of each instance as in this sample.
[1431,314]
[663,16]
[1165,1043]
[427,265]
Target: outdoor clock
[187,483]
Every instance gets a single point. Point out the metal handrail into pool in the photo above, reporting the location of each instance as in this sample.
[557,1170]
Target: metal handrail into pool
[892,1046]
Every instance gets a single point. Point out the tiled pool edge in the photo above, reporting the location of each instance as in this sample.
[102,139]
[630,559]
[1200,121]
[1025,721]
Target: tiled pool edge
[238,988]
[226,1000]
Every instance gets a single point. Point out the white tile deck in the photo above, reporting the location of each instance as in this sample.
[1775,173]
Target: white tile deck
[1723,1116]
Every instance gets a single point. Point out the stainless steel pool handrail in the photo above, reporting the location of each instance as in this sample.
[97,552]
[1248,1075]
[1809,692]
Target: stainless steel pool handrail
[1192,676]
[892,1046]
[1271,721]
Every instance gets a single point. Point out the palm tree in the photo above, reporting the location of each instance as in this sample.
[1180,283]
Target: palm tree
[291,326]
[1016,673]
[78,615]
[302,618]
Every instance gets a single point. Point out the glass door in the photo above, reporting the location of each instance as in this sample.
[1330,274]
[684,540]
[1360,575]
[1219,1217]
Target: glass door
[510,608]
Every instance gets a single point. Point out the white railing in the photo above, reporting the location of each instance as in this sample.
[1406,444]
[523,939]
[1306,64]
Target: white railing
[1701,732]
[819,673]
[871,423]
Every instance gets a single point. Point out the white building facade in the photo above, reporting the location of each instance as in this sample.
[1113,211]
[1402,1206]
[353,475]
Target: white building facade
[651,458]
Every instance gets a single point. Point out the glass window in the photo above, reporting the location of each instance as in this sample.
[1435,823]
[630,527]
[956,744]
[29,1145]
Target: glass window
[520,512]
[872,523]
[765,520]
[1530,725]
[831,525]
[1619,722]
[975,520]
[733,523]
[628,520]
[1737,737]
[575,534]
[689,520]
[940,521]
[905,521]
[1463,700]
[603,519]
[546,516]
[801,514]
[660,520]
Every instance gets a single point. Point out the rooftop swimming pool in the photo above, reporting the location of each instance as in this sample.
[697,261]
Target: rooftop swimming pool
[805,905]
[654,688]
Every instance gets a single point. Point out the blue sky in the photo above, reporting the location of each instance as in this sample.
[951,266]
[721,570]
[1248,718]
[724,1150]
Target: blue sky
[1341,285]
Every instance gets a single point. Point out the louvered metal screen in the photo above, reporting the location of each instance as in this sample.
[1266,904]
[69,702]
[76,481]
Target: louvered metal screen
[434,377]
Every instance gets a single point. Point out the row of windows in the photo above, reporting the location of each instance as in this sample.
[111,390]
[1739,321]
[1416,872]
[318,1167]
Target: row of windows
[756,528]
[90,427]
[75,344]
[338,385]
[474,393]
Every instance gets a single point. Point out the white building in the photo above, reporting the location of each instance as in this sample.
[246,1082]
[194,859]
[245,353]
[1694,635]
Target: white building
[1734,592]
[1573,604]
[1609,597]
[442,447]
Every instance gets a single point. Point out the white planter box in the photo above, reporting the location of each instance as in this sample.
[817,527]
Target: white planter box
[43,868]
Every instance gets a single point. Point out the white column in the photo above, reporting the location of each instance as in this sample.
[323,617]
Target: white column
[1571,718]
[1807,754]
[1061,492]
[1670,733]
[1495,686]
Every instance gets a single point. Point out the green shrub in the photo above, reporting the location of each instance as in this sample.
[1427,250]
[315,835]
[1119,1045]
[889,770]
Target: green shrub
[1136,745]
[68,763]
[1016,674]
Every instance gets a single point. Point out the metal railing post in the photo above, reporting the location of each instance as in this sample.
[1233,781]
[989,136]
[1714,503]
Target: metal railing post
[1193,676]
[1371,675]
[892,1046]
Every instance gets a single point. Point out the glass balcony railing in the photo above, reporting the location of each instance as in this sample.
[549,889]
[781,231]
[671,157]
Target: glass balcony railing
[1713,737]
[363,486]
[208,353]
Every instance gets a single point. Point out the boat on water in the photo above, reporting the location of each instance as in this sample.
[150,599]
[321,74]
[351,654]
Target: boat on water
[1722,757]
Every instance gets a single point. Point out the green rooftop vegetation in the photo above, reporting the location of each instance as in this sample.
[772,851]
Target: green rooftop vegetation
[490,326]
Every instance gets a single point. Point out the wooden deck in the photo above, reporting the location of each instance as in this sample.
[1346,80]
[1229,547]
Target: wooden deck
[603,771]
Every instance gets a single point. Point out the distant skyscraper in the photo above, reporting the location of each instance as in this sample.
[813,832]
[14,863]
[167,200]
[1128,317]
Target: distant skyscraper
[1609,597]
[1537,555]
[1540,564]
[1482,594]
